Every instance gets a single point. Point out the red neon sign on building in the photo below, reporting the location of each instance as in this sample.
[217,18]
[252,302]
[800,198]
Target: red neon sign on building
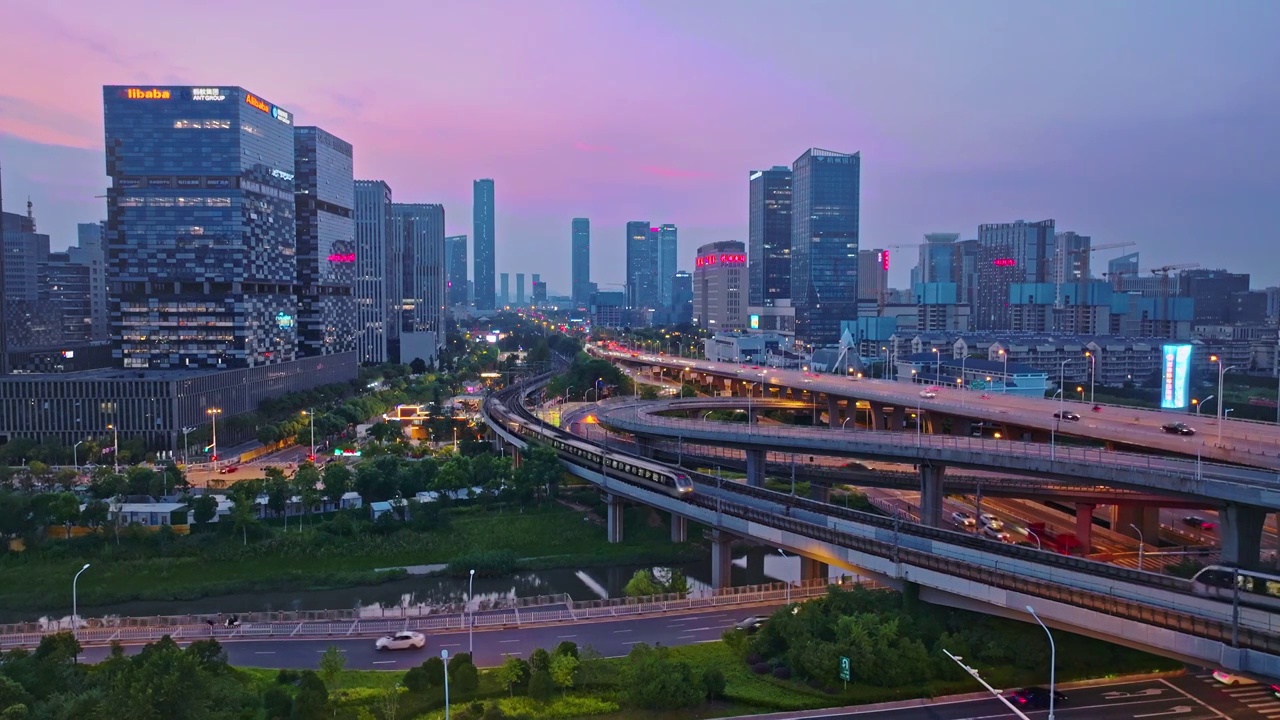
[1004,262]
[342,258]
[721,259]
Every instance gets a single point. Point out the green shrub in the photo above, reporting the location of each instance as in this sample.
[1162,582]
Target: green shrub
[541,687]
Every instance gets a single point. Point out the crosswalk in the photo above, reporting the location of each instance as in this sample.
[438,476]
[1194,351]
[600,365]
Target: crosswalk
[1257,697]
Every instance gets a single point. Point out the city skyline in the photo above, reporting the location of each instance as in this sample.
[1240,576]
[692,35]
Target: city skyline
[1154,132]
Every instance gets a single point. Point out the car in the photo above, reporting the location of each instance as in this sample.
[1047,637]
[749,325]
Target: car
[751,624]
[1275,691]
[403,640]
[1177,428]
[989,519]
[1227,678]
[963,519]
[1198,522]
[228,470]
[996,534]
[928,394]
[1067,415]
[1035,697]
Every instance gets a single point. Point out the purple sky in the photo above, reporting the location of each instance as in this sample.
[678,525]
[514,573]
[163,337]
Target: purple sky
[1153,121]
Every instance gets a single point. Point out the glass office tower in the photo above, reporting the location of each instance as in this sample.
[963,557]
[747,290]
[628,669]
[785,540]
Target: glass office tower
[201,237]
[769,237]
[642,265]
[580,229]
[324,192]
[668,250]
[824,243]
[455,261]
[482,235]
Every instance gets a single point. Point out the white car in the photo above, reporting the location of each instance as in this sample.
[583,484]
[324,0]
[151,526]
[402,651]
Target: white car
[1227,678]
[928,394]
[963,519]
[991,521]
[995,534]
[405,640]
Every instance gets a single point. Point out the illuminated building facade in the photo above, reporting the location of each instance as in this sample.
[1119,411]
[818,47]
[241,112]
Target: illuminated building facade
[720,286]
[324,193]
[1009,253]
[825,188]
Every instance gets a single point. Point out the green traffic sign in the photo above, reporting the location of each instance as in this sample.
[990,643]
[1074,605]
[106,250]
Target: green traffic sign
[844,668]
[978,385]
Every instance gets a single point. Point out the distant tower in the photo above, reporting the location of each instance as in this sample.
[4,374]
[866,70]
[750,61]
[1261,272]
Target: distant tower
[581,261]
[482,234]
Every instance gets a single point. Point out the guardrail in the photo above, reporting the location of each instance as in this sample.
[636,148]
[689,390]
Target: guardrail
[352,623]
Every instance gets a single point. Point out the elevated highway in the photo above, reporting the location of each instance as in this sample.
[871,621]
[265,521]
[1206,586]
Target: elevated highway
[1246,494]
[1153,612]
[1242,442]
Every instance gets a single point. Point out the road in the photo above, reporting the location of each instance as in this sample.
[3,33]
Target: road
[610,638]
[1248,443]
[1189,697]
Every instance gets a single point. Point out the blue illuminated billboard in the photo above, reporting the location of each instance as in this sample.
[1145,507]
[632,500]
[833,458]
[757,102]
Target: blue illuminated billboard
[755,322]
[1174,375]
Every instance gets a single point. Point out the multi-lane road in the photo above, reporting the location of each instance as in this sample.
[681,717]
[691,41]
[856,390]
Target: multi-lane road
[1247,443]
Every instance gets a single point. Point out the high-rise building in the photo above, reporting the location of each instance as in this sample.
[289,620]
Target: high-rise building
[89,251]
[642,264]
[769,236]
[376,285]
[201,238]
[1009,253]
[873,274]
[504,294]
[580,234]
[1211,291]
[939,259]
[455,261]
[719,286]
[681,312]
[1122,267]
[667,253]
[482,233]
[824,243]
[30,322]
[324,195]
[519,288]
[4,333]
[420,227]
[1070,261]
[539,291]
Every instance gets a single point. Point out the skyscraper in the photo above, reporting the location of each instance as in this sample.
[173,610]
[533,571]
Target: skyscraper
[769,238]
[719,276]
[642,264]
[420,227]
[873,274]
[939,259]
[580,233]
[1009,253]
[1070,261]
[1125,265]
[201,239]
[376,287]
[824,243]
[89,251]
[4,332]
[667,252]
[504,295]
[455,260]
[324,198]
[31,322]
[482,232]
[519,288]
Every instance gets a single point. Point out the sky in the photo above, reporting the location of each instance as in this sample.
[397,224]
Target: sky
[1151,121]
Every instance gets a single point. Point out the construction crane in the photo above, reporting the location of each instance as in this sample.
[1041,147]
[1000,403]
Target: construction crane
[1063,256]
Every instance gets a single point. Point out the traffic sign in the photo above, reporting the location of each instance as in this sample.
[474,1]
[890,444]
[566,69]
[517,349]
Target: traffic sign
[978,385]
[844,668]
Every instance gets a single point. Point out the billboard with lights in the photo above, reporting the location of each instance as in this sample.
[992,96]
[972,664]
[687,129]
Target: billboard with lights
[1175,375]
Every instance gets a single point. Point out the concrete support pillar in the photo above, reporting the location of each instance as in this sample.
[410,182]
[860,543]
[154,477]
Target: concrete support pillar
[875,421]
[898,419]
[820,493]
[644,447]
[931,494]
[755,467]
[679,528]
[1146,518]
[1241,534]
[833,412]
[615,506]
[753,415]
[811,569]
[721,560]
[755,563]
[1084,526]
[930,423]
[516,459]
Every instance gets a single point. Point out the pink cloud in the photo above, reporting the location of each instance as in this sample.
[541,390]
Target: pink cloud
[669,172]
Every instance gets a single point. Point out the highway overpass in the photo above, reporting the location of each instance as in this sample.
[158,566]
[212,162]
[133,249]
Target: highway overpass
[1152,612]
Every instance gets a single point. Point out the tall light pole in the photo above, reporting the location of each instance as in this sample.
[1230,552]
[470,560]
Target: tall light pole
[1141,542]
[471,637]
[1004,384]
[213,414]
[565,397]
[1200,405]
[1053,657]
[75,625]
[75,456]
[1222,371]
[311,416]
[751,388]
[444,655]
[937,367]
[1093,373]
[115,447]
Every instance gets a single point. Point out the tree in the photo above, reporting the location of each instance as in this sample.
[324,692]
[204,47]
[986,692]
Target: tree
[541,686]
[389,702]
[563,670]
[512,672]
[278,493]
[337,481]
[332,662]
[655,682]
[566,647]
[541,470]
[418,366]
[203,509]
[713,683]
[64,509]
[642,584]
[464,680]
[434,668]
[312,699]
[243,515]
[385,432]
[278,703]
[540,660]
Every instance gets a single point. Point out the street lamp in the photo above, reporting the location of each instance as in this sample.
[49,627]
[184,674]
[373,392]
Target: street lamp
[751,388]
[311,416]
[75,457]
[444,655]
[75,626]
[115,447]
[937,361]
[1034,534]
[565,397]
[1080,389]
[1221,372]
[1200,405]
[1141,542]
[1053,657]
[471,630]
[1093,374]
[788,581]
[213,414]
[1004,383]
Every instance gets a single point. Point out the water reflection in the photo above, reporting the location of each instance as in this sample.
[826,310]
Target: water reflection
[422,594]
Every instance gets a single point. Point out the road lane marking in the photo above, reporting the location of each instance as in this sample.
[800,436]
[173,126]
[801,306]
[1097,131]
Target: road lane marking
[450,644]
[686,637]
[509,641]
[563,637]
[702,629]
[384,662]
[622,631]
[633,642]
[518,652]
[1194,699]
[264,652]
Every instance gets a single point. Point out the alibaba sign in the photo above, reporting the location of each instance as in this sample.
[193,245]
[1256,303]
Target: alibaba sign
[257,102]
[342,258]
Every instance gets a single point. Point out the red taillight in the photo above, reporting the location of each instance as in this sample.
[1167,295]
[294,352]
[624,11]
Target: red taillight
[1020,699]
